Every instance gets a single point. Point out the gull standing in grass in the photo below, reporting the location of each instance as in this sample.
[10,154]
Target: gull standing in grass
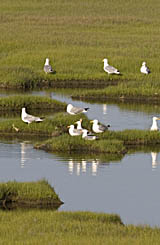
[73,131]
[47,67]
[109,69]
[75,110]
[154,126]
[29,118]
[98,128]
[144,69]
[88,137]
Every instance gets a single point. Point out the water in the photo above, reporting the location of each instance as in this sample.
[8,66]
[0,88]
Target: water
[128,186]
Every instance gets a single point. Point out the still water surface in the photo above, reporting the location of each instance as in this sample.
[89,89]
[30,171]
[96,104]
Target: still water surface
[128,187]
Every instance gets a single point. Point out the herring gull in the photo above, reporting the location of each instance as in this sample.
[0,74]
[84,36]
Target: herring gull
[109,69]
[73,131]
[88,137]
[98,128]
[144,69]
[47,67]
[75,110]
[29,118]
[154,126]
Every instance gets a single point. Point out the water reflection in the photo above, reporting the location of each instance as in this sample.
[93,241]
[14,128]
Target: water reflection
[154,160]
[79,180]
[82,166]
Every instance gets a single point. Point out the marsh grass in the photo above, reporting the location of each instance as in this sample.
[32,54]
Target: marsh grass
[112,142]
[45,227]
[13,103]
[76,37]
[28,193]
[51,126]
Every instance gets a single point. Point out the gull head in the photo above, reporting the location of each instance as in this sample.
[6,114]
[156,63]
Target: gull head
[80,121]
[95,121]
[105,61]
[69,106]
[156,118]
[143,63]
[47,61]
[23,110]
[70,126]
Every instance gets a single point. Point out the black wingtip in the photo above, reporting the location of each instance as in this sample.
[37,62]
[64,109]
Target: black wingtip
[86,109]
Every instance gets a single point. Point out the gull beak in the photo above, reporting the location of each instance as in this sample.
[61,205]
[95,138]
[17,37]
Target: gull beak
[91,121]
[68,126]
[81,120]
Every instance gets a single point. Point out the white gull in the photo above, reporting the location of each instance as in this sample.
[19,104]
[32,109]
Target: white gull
[29,118]
[98,128]
[75,110]
[109,69]
[154,126]
[47,67]
[144,69]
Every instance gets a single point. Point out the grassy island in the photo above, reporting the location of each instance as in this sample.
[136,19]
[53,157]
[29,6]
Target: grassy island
[28,194]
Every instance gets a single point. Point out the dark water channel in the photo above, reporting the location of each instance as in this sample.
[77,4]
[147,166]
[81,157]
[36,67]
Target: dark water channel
[127,186]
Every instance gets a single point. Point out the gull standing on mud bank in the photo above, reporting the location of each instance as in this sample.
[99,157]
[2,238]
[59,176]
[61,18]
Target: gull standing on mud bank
[47,67]
[73,131]
[154,126]
[75,110]
[144,69]
[98,128]
[29,118]
[110,69]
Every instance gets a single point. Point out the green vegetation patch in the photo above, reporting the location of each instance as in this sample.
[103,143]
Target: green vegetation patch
[12,103]
[46,227]
[52,126]
[28,194]
[109,142]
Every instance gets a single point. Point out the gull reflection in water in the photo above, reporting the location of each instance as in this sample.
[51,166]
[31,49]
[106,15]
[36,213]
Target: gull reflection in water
[80,166]
[104,109]
[24,147]
[154,159]
[95,164]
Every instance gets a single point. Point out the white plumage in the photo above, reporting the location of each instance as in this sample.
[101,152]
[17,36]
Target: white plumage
[109,69]
[47,67]
[98,128]
[144,69]
[73,131]
[88,137]
[154,126]
[75,110]
[29,118]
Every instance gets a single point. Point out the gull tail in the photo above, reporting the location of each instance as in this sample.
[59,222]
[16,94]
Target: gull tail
[86,109]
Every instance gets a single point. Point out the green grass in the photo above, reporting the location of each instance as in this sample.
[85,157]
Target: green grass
[13,103]
[76,36]
[51,126]
[112,142]
[28,193]
[52,227]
